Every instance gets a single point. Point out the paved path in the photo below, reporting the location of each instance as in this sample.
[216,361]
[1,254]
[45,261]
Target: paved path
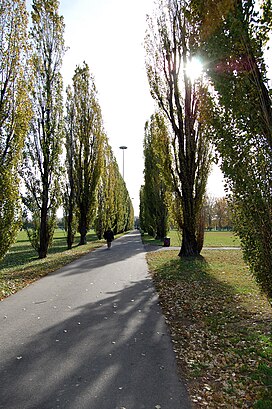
[89,336]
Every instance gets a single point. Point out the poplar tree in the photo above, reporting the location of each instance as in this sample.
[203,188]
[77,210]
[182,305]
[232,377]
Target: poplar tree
[42,151]
[87,145]
[106,217]
[171,41]
[233,40]
[69,203]
[15,114]
[158,189]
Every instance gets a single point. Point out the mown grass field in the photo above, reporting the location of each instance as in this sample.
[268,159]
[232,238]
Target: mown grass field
[211,239]
[220,326]
[21,266]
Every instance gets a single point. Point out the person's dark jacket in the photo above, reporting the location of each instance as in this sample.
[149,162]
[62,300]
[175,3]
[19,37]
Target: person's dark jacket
[108,235]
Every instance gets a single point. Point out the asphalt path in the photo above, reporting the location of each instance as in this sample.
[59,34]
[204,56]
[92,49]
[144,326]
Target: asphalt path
[89,336]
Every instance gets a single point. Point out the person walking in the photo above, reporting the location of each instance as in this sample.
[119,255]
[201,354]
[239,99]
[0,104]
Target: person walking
[109,236]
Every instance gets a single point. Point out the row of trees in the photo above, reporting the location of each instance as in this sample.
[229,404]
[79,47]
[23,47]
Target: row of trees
[229,106]
[156,193]
[159,208]
[95,192]
[34,128]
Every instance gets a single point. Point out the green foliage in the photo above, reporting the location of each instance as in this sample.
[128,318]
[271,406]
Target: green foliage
[253,222]
[10,210]
[86,138]
[124,217]
[217,213]
[42,170]
[234,57]
[157,190]
[107,190]
[34,230]
[14,115]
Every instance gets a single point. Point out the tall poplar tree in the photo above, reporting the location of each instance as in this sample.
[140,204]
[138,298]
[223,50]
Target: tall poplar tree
[171,41]
[42,151]
[15,114]
[233,40]
[158,188]
[87,139]
[106,192]
[69,189]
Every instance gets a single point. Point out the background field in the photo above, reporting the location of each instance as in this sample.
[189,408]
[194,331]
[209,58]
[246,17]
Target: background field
[211,239]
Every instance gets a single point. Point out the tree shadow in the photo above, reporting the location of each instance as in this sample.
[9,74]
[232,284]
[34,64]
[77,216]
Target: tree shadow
[123,248]
[111,353]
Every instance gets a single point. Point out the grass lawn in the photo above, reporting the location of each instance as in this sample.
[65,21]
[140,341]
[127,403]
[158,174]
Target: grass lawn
[21,266]
[220,326]
[211,239]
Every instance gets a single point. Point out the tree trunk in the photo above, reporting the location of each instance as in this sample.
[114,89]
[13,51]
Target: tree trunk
[189,246]
[44,234]
[83,238]
[70,234]
[83,230]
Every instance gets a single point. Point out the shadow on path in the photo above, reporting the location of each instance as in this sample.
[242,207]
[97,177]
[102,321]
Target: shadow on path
[109,353]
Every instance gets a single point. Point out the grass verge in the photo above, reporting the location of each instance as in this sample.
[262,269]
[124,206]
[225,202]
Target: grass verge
[220,327]
[21,266]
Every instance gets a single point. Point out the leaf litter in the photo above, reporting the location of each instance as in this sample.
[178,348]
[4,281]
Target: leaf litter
[220,326]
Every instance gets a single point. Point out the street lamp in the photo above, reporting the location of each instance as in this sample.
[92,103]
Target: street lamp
[123,149]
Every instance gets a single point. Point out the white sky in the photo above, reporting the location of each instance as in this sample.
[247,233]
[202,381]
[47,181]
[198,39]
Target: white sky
[109,36]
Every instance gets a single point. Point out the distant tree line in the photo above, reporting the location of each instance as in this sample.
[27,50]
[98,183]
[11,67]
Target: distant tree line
[51,153]
[217,213]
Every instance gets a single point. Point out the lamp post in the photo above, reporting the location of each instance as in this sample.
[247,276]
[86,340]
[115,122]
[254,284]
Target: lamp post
[123,149]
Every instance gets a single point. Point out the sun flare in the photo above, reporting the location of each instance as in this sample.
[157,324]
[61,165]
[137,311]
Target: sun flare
[194,69]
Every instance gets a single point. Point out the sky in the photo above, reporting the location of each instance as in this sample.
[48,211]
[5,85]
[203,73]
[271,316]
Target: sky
[109,36]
